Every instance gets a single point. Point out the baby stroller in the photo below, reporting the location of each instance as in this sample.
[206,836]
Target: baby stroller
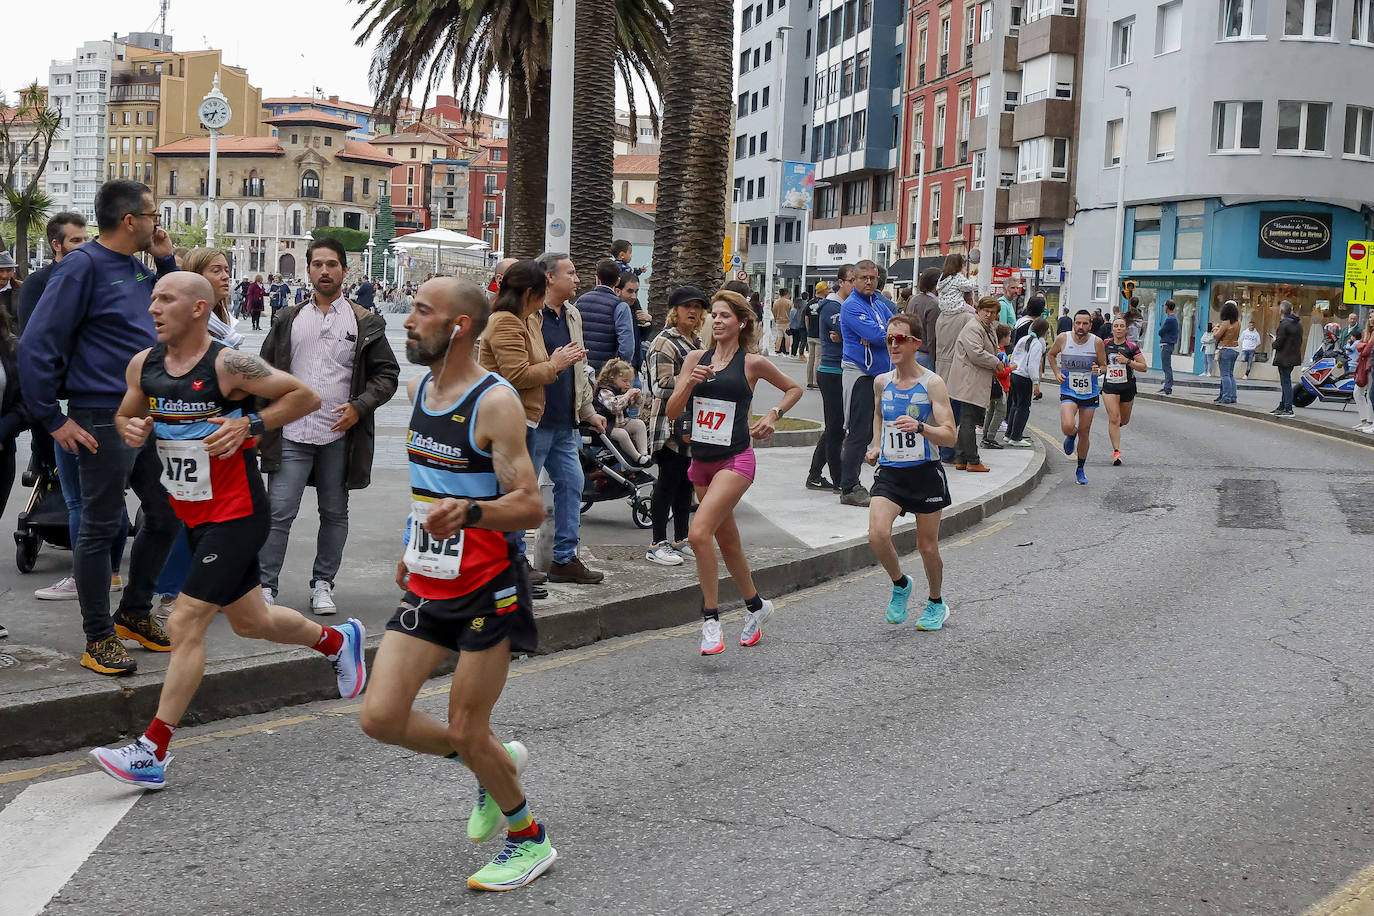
[609,475]
[44,518]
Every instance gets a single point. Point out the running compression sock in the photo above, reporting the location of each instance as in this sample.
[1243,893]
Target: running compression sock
[454,756]
[937,600]
[710,613]
[520,822]
[1081,462]
[159,734]
[331,642]
[754,603]
[903,582]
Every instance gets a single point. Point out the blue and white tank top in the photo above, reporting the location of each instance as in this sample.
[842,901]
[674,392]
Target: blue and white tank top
[1076,362]
[905,449]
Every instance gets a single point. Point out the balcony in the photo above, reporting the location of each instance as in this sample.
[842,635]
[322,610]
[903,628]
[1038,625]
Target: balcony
[982,56]
[1050,35]
[973,203]
[1043,118]
[1038,200]
[136,93]
[978,133]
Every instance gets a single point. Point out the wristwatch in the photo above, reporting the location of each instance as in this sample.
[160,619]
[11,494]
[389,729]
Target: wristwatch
[920,427]
[255,425]
[473,515]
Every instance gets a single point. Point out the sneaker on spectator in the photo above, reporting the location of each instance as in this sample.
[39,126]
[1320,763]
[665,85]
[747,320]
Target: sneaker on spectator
[663,554]
[63,589]
[116,583]
[322,599]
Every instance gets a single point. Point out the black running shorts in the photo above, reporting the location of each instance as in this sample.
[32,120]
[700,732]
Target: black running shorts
[224,558]
[1126,392]
[918,489]
[501,609]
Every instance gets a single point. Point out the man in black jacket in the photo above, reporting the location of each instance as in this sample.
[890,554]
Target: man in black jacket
[1287,356]
[339,349]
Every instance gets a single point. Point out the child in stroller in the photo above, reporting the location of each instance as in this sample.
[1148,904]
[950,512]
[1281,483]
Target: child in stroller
[615,392]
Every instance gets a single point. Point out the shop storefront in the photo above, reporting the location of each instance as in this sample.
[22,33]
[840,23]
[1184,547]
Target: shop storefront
[1202,253]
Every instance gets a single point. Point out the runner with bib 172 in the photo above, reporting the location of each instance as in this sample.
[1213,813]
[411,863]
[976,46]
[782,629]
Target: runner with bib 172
[717,386]
[1078,359]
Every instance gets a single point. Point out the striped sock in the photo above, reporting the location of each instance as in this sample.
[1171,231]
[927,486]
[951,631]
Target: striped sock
[520,822]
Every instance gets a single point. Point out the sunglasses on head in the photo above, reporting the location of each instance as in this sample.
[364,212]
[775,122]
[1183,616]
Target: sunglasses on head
[898,339]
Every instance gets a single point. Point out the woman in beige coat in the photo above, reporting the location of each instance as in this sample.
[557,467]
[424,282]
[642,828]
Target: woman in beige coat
[976,360]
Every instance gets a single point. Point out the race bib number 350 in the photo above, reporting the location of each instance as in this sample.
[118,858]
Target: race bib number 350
[437,558]
[713,421]
[185,469]
[1116,374]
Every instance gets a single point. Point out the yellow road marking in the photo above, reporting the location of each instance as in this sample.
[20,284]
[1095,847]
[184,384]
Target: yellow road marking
[1354,898]
[533,666]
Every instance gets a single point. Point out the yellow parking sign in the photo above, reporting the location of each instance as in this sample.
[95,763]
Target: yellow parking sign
[1359,273]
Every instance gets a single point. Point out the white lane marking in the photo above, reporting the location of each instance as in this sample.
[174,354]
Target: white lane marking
[49,830]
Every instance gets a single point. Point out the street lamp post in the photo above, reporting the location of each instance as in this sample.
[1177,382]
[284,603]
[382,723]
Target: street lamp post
[367,257]
[214,114]
[992,155]
[770,286]
[1119,237]
[558,228]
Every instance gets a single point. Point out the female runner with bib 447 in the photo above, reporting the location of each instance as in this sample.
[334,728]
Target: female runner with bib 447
[717,386]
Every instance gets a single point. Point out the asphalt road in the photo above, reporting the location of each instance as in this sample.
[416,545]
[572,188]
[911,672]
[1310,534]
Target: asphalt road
[1151,698]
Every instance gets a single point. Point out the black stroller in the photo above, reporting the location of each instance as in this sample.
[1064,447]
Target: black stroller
[44,519]
[609,475]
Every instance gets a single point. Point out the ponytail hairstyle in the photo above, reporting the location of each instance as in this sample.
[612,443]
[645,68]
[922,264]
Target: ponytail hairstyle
[749,321]
[520,279]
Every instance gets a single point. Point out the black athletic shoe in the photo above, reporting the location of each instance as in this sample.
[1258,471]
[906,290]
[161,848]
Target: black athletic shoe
[988,443]
[819,483]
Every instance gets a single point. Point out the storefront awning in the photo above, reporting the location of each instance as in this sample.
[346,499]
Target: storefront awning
[900,270]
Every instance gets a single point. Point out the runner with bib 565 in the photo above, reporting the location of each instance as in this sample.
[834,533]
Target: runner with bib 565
[1078,358]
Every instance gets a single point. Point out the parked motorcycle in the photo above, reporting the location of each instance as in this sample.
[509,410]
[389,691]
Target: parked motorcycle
[1321,382]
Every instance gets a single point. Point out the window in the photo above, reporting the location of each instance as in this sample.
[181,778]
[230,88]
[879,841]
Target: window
[742,107]
[935,212]
[321,218]
[295,222]
[1307,19]
[1100,280]
[1242,18]
[126,119]
[740,147]
[187,216]
[328,141]
[959,210]
[1162,133]
[743,62]
[348,189]
[834,77]
[1362,27]
[851,18]
[1043,158]
[1123,34]
[252,222]
[847,79]
[1146,235]
[763,142]
[980,105]
[410,175]
[410,197]
[767,51]
[124,170]
[861,71]
[758,61]
[488,184]
[1358,134]
[746,19]
[855,197]
[310,184]
[412,153]
[753,102]
[883,189]
[808,44]
[753,146]
[865,14]
[827,203]
[822,34]
[1236,126]
[1169,27]
[1047,76]
[762,184]
[806,90]
[368,181]
[1188,232]
[765,97]
[1302,126]
[980,168]
[859,131]
[172,182]
[114,145]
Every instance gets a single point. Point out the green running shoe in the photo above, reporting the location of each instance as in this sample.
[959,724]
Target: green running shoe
[896,608]
[518,863]
[486,817]
[934,616]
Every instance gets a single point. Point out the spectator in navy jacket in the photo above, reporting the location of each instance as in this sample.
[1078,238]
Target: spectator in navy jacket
[1168,339]
[608,326]
[93,317]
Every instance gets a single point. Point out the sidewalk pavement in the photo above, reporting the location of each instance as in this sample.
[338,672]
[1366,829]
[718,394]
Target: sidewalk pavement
[795,537]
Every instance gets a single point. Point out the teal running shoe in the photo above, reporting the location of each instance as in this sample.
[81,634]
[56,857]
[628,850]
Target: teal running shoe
[518,863]
[896,608]
[934,617]
[486,817]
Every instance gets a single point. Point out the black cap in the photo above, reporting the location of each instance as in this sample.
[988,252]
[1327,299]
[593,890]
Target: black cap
[685,294]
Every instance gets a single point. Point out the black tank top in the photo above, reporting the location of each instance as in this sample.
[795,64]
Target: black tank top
[729,387]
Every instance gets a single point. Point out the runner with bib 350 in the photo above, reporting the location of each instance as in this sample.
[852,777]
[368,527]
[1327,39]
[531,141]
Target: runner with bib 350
[717,386]
[1078,358]
[194,395]
[1124,360]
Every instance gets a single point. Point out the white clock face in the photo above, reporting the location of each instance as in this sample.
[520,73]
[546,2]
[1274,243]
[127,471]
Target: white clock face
[214,113]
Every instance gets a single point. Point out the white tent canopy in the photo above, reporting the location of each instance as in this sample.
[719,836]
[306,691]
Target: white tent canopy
[438,238]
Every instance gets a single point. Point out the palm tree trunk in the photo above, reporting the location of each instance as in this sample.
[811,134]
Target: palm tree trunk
[694,162]
[527,171]
[593,137]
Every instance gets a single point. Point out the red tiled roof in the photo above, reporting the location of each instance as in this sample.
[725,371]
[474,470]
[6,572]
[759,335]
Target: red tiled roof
[359,151]
[636,164]
[644,208]
[312,117]
[228,146]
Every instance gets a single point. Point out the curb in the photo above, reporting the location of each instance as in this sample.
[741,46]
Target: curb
[53,720]
[792,438]
[1348,435]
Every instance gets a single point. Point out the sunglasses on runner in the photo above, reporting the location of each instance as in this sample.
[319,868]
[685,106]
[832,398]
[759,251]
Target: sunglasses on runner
[896,340]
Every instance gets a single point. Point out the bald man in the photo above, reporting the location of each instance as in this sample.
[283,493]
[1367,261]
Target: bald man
[194,395]
[502,266]
[472,488]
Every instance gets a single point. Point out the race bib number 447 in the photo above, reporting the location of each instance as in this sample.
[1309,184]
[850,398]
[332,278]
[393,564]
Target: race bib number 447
[185,469]
[713,421]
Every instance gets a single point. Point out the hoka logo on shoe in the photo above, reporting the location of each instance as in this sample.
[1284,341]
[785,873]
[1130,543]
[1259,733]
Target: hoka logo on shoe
[143,765]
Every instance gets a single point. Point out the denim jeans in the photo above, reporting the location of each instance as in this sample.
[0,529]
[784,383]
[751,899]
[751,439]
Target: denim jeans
[328,464]
[104,474]
[1285,387]
[947,452]
[177,567]
[1166,362]
[827,452]
[69,476]
[1249,357]
[1226,359]
[555,450]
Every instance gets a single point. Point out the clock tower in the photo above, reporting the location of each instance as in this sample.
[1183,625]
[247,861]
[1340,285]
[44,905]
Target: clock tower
[214,113]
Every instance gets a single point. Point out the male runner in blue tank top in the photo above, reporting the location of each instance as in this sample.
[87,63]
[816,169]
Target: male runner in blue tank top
[472,488]
[912,417]
[1078,358]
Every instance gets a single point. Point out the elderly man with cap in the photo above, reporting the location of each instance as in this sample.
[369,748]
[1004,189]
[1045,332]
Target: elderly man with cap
[9,288]
[813,332]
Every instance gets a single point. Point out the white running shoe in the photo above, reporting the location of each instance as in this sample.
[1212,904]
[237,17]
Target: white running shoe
[664,555]
[63,589]
[712,640]
[753,624]
[322,599]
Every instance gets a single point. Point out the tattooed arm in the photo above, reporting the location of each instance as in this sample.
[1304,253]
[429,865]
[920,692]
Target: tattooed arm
[243,374]
[501,431]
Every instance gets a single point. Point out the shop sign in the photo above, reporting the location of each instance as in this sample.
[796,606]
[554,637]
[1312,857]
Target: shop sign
[882,232]
[1359,274]
[1295,235]
[1022,229]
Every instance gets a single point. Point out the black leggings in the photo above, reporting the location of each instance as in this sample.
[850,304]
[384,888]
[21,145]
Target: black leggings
[827,453]
[672,491]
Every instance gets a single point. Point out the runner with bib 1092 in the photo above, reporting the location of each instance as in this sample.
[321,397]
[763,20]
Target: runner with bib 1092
[1078,359]
[717,386]
[194,394]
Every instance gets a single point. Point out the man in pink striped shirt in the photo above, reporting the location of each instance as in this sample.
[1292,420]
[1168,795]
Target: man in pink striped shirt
[339,349]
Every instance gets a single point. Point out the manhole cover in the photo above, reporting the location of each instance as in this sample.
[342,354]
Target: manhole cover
[8,661]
